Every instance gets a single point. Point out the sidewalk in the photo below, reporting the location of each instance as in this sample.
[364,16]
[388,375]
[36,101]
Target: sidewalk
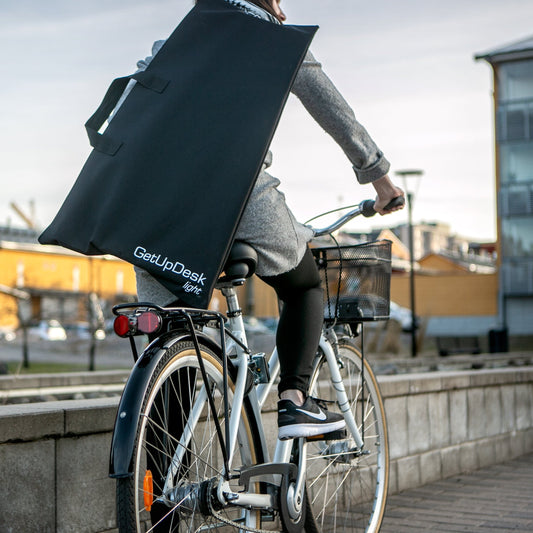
[496,498]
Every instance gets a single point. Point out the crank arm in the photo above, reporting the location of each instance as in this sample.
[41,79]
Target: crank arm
[249,500]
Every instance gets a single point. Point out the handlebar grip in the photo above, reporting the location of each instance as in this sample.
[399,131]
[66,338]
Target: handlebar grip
[367,206]
[399,201]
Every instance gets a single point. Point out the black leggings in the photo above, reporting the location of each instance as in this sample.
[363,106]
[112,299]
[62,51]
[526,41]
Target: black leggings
[300,322]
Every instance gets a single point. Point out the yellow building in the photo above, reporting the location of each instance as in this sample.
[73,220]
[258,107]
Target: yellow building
[58,281]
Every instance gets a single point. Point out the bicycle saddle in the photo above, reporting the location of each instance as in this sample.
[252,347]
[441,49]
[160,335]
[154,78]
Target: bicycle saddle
[241,262]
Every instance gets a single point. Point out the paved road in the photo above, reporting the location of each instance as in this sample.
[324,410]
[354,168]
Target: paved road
[494,499]
[112,352]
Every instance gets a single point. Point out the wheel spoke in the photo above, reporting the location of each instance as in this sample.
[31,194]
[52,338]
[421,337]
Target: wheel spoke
[194,461]
[347,487]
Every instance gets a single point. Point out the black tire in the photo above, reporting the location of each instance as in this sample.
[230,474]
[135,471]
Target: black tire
[348,491]
[307,519]
[306,522]
[310,523]
[166,412]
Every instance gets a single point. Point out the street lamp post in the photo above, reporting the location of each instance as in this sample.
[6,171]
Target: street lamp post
[410,198]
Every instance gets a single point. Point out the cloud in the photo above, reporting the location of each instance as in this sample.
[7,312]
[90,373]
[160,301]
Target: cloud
[406,67]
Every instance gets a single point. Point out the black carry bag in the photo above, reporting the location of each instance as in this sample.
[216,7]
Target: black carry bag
[166,182]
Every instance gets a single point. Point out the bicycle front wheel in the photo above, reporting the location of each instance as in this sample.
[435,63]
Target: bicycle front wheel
[177,458]
[348,487]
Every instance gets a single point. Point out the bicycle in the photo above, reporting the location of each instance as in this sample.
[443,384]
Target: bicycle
[189,448]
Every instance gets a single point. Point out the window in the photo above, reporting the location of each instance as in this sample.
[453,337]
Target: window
[515,81]
[515,121]
[516,163]
[516,200]
[517,237]
[517,277]
[515,106]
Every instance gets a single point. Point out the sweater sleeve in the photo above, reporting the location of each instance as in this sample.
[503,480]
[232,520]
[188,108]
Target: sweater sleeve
[331,111]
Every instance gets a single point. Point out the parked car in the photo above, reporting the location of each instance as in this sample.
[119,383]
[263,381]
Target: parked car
[403,316]
[7,335]
[271,323]
[51,330]
[82,330]
[254,325]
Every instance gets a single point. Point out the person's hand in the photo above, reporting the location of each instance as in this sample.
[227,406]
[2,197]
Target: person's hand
[386,192]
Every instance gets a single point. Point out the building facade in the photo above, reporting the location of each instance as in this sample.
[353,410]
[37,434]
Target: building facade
[512,67]
[58,282]
[431,238]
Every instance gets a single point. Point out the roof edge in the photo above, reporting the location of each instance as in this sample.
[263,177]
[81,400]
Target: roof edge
[521,49]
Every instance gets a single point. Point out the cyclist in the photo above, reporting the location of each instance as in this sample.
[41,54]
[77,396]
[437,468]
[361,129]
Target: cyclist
[284,260]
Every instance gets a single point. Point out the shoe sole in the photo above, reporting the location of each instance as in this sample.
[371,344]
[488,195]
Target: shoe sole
[297,431]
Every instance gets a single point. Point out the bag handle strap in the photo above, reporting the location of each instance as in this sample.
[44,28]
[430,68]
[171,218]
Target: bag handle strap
[105,143]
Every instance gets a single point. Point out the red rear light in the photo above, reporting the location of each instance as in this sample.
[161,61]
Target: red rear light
[148,322]
[121,325]
[144,323]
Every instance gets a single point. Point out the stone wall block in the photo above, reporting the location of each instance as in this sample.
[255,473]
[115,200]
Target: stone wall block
[528,440]
[439,420]
[81,418]
[21,422]
[393,477]
[85,493]
[418,423]
[391,386]
[493,410]
[430,467]
[502,448]
[458,416]
[477,416]
[408,472]
[508,411]
[486,450]
[523,396]
[517,444]
[27,471]
[450,461]
[396,413]
[468,457]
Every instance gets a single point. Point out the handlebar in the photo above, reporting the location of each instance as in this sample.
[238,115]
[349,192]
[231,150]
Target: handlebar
[365,208]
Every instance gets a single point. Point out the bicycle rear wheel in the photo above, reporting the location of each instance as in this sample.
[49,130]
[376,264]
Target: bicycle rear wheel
[177,445]
[348,487]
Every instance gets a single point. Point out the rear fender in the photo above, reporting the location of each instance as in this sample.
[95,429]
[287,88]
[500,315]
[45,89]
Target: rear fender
[129,409]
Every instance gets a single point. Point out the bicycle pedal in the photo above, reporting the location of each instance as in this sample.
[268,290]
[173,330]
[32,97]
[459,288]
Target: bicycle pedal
[340,434]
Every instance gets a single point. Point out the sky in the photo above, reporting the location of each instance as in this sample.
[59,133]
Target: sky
[406,67]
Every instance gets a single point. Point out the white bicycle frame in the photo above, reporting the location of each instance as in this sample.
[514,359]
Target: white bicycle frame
[258,396]
[240,358]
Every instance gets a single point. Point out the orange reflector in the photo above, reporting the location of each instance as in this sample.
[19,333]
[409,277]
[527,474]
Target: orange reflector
[148,489]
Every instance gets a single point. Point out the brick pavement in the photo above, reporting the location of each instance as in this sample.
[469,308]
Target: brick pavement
[498,498]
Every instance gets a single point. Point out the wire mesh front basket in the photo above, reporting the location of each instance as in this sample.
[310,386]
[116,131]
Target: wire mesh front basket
[356,281]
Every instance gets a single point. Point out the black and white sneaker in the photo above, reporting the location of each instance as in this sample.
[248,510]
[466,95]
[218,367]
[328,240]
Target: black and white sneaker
[308,420]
